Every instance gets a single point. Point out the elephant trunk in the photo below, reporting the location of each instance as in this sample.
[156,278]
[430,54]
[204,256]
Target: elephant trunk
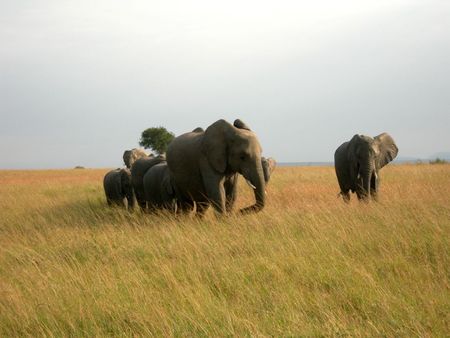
[374,186]
[366,175]
[256,178]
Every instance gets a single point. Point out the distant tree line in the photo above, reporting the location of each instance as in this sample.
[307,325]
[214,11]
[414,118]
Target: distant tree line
[438,161]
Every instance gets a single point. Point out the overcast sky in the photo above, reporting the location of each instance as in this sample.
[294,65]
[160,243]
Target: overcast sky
[80,80]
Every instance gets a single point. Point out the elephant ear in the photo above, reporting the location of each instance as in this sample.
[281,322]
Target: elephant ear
[214,145]
[388,149]
[126,157]
[240,124]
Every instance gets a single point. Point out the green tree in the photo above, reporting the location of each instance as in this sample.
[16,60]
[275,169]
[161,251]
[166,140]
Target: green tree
[156,138]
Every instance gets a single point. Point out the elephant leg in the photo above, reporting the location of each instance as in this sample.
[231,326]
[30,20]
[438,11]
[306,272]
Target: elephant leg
[360,194]
[345,196]
[230,186]
[202,207]
[215,191]
[131,201]
[216,195]
[169,206]
[184,206]
[142,204]
[152,208]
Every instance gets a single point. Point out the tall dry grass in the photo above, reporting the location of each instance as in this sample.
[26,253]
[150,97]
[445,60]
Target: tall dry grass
[308,265]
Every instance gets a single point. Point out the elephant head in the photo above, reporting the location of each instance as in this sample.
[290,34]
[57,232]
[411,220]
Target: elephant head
[366,155]
[231,149]
[130,156]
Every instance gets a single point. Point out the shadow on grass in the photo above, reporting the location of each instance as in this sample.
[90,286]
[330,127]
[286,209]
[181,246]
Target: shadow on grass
[93,212]
[89,212]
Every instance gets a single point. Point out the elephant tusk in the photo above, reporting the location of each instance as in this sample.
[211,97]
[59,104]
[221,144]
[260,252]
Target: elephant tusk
[250,184]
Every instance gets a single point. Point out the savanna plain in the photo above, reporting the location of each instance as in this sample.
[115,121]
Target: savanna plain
[307,265]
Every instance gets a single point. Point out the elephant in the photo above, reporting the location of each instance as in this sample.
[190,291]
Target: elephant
[159,188]
[130,156]
[203,164]
[138,170]
[268,165]
[358,161]
[118,188]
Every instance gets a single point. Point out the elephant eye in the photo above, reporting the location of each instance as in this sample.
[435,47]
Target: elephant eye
[243,156]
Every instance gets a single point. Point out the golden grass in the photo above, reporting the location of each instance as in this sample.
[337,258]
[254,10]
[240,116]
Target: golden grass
[308,265]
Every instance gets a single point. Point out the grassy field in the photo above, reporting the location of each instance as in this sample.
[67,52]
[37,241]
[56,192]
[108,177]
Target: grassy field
[308,265]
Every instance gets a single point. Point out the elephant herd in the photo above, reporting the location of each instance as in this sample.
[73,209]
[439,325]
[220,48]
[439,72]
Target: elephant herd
[201,169]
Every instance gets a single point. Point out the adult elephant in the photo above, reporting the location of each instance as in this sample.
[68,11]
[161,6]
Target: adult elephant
[130,156]
[358,161]
[138,170]
[159,188]
[202,162]
[118,188]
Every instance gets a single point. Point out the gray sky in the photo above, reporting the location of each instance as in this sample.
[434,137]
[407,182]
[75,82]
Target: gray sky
[80,80]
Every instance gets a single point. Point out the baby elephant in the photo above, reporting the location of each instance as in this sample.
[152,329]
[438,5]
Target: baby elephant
[268,165]
[118,188]
[159,188]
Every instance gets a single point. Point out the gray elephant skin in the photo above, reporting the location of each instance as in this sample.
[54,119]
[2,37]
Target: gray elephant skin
[358,161]
[159,188]
[231,183]
[118,188]
[201,163]
[130,156]
[138,170]
[269,164]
